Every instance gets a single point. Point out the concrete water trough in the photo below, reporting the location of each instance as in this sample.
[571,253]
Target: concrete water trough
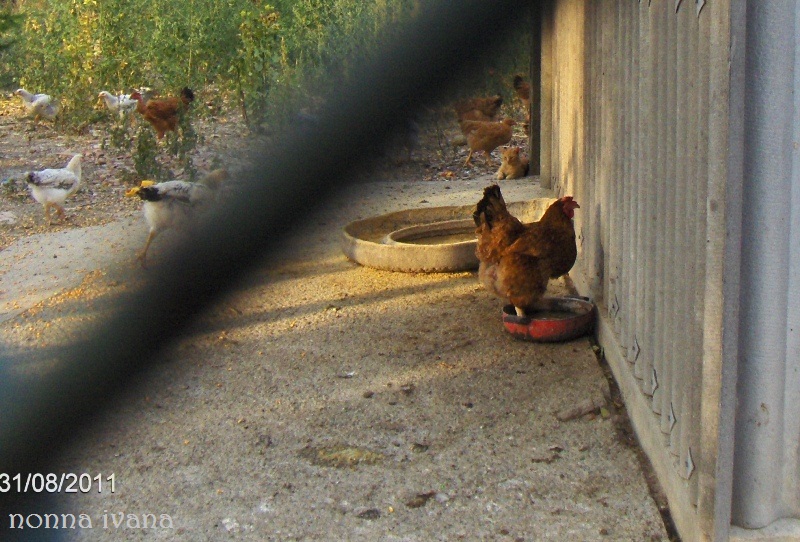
[425,240]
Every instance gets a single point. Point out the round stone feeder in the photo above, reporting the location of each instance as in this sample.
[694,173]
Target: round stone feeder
[449,232]
[428,240]
[571,318]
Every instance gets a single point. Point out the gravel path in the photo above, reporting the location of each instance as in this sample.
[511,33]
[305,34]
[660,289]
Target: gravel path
[329,401]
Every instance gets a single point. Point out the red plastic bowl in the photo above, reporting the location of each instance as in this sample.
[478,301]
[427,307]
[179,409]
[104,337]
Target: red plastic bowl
[577,321]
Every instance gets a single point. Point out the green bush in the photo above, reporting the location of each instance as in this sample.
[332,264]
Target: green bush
[268,59]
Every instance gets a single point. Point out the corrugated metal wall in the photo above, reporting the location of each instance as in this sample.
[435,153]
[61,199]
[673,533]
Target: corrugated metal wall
[767,467]
[639,124]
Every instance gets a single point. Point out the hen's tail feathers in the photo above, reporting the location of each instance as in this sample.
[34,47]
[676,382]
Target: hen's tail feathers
[187,95]
[75,165]
[490,206]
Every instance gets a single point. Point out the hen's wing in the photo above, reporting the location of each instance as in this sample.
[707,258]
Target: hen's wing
[60,179]
[126,103]
[552,245]
[162,109]
[44,105]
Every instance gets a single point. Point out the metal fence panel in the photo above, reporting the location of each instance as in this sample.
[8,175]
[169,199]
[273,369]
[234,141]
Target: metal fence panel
[767,440]
[646,136]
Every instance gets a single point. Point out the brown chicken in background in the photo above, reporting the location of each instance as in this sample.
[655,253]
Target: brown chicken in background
[523,91]
[486,136]
[163,113]
[517,260]
[485,109]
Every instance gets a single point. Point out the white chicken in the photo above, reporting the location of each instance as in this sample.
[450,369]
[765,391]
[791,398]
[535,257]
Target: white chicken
[122,103]
[38,105]
[51,187]
[172,204]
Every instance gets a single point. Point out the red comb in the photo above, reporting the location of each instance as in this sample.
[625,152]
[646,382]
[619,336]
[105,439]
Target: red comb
[570,201]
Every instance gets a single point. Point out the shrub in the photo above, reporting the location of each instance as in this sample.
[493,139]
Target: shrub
[268,58]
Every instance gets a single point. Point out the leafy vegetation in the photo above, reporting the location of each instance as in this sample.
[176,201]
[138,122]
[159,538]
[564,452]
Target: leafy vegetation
[267,58]
[8,25]
[253,51]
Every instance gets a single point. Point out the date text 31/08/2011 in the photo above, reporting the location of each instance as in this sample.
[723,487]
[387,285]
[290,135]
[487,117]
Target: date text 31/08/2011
[66,482]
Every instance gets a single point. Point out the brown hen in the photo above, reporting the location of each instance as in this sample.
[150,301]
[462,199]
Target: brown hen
[486,136]
[163,113]
[517,260]
[523,91]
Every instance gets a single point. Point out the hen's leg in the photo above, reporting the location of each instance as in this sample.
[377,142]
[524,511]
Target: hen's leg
[47,214]
[60,211]
[142,257]
[469,156]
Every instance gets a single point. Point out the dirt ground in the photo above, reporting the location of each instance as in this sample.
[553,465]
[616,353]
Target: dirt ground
[323,400]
